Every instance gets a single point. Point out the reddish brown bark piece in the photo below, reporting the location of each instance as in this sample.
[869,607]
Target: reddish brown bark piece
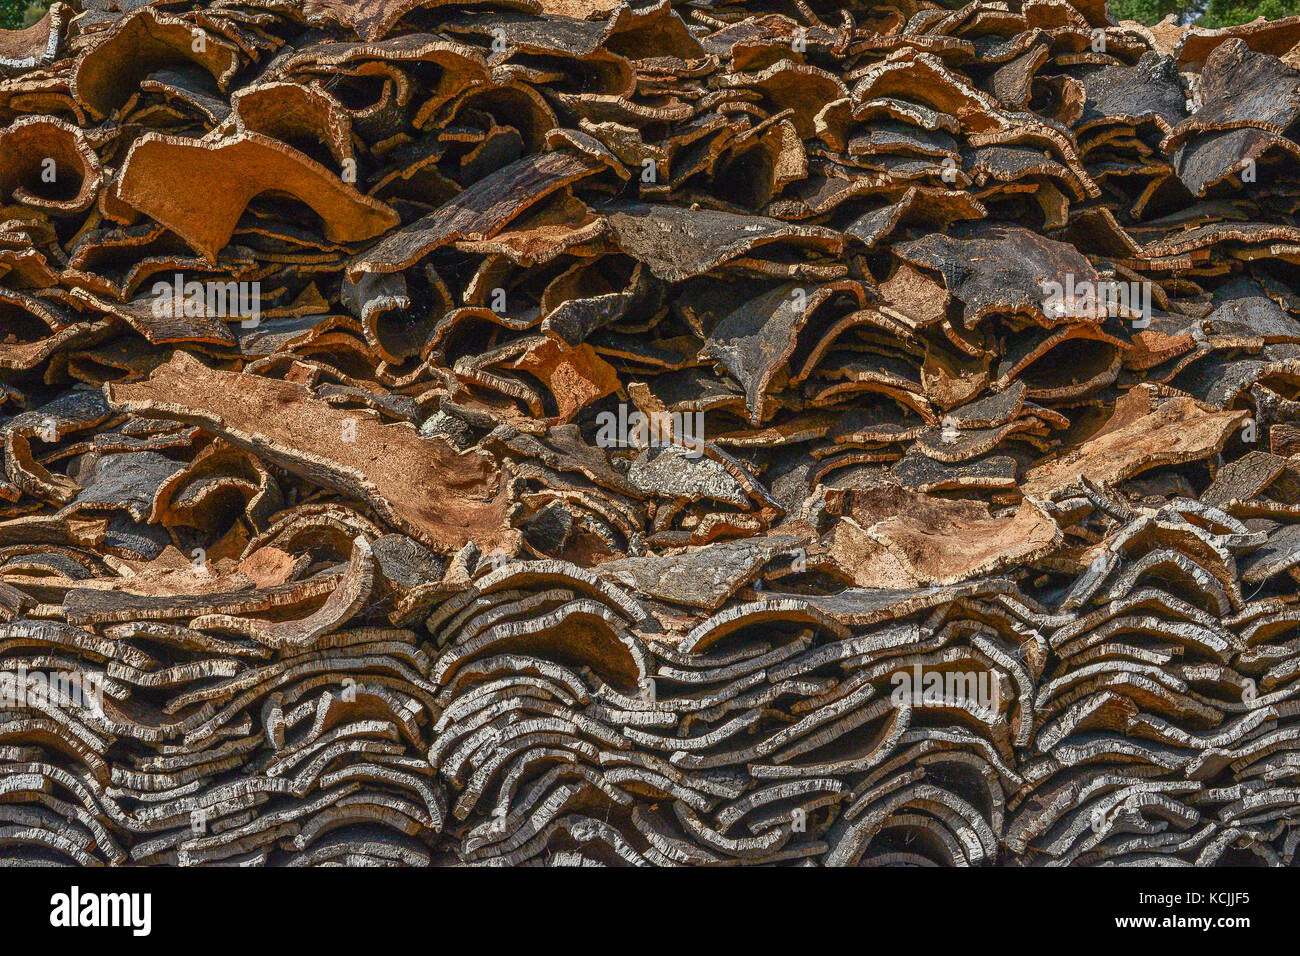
[34,45]
[27,150]
[373,19]
[428,489]
[893,538]
[480,212]
[1277,37]
[138,43]
[159,171]
[1178,431]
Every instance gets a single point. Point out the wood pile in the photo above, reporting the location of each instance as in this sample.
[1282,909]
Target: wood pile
[562,432]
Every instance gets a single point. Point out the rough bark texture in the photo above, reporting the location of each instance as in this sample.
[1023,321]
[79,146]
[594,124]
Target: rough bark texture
[567,432]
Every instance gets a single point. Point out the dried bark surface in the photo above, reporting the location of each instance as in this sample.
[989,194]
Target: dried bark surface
[564,432]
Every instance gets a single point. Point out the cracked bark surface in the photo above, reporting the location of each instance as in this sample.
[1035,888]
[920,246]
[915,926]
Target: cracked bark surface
[566,432]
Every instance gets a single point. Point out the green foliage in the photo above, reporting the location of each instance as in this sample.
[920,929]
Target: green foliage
[35,11]
[16,14]
[1227,13]
[1147,11]
[11,13]
[1203,13]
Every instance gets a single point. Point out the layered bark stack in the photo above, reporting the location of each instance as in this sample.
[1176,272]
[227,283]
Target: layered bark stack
[329,334]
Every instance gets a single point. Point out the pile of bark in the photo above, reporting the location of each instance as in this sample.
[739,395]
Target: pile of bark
[566,432]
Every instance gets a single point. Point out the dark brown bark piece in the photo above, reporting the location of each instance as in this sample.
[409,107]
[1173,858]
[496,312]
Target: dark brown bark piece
[391,574]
